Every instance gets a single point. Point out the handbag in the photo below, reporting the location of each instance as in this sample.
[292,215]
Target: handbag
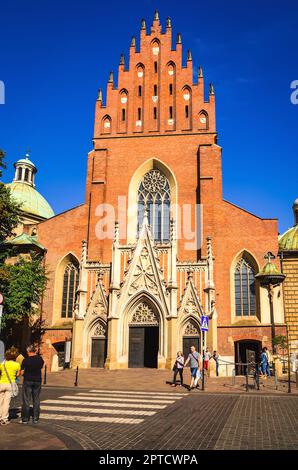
[14,386]
[198,377]
[174,367]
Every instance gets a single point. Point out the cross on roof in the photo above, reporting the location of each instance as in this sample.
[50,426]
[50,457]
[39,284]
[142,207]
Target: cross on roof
[269,256]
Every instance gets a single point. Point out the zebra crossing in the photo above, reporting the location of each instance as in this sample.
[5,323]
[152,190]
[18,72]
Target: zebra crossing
[108,406]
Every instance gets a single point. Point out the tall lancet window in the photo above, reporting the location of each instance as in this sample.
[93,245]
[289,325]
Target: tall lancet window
[245,295]
[70,285]
[154,195]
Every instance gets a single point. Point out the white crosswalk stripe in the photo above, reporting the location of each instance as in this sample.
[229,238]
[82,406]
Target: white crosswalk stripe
[99,410]
[125,392]
[134,400]
[107,406]
[97,419]
[73,401]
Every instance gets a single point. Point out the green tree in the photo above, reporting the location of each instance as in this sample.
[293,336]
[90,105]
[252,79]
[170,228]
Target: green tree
[10,210]
[24,287]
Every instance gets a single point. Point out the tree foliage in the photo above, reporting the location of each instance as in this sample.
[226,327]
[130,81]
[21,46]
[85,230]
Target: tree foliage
[23,288]
[10,210]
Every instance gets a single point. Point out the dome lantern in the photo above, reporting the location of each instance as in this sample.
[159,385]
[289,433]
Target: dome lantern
[288,241]
[295,210]
[22,189]
[25,171]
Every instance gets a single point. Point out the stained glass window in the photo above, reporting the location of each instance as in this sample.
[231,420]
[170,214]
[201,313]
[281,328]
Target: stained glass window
[70,285]
[154,194]
[245,296]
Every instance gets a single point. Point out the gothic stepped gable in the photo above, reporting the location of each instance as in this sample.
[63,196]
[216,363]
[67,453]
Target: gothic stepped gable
[156,92]
[190,302]
[98,305]
[144,273]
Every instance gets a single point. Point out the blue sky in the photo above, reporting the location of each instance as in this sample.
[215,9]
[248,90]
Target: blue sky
[55,55]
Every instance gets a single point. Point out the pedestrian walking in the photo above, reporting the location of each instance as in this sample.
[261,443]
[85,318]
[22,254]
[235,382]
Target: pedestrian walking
[195,362]
[264,363]
[215,356]
[9,370]
[269,360]
[31,371]
[178,369]
[207,357]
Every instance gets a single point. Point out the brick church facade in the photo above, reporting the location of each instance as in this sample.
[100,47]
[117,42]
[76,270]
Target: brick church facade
[154,246]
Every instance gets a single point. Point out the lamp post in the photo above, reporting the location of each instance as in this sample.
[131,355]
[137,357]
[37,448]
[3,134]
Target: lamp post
[270,277]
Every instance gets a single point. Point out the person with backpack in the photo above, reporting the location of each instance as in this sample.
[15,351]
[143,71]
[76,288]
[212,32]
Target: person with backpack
[9,370]
[31,371]
[178,369]
[195,362]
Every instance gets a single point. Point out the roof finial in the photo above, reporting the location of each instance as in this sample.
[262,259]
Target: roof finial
[211,89]
[295,210]
[27,154]
[179,40]
[143,24]
[111,77]
[133,42]
[200,73]
[156,16]
[122,59]
[189,56]
[99,94]
[169,24]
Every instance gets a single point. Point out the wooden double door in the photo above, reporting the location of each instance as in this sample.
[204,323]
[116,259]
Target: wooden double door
[98,352]
[189,341]
[143,346]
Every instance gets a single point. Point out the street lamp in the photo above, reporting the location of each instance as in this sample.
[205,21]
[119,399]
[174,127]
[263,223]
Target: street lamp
[270,277]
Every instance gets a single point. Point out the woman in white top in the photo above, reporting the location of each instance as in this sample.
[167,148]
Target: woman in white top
[178,369]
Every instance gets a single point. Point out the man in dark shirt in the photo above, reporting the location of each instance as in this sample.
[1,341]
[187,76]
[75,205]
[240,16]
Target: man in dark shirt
[31,371]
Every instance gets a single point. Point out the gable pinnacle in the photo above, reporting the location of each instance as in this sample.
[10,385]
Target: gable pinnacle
[211,89]
[169,24]
[133,42]
[99,94]
[189,56]
[200,74]
[179,40]
[111,77]
[143,24]
[122,59]
[156,16]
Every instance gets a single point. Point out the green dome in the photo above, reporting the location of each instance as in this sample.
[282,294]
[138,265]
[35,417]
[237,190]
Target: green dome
[269,269]
[32,202]
[289,240]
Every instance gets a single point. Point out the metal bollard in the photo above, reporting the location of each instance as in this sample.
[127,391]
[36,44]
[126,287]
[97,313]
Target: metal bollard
[77,377]
[233,377]
[203,379]
[258,377]
[275,377]
[45,375]
[297,378]
[246,379]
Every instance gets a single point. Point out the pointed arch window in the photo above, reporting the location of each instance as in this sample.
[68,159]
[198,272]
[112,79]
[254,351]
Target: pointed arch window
[245,291]
[70,286]
[154,195]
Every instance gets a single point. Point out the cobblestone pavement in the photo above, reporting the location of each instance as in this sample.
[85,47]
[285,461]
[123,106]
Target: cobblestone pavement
[158,379]
[125,419]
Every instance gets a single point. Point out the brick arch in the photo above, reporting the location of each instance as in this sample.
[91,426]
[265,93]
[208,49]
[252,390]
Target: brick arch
[58,286]
[152,163]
